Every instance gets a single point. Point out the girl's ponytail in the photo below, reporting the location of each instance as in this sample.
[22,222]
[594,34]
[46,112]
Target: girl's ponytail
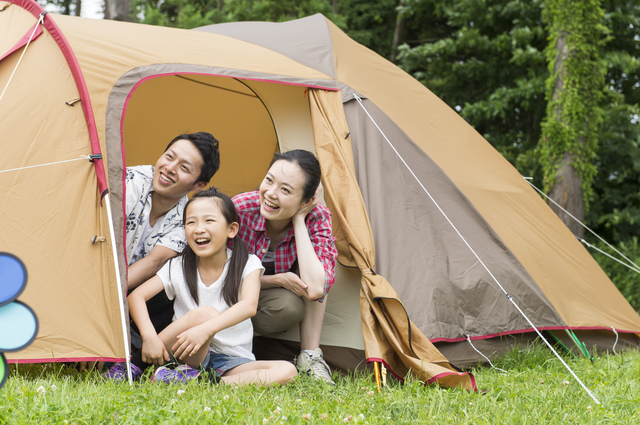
[233,280]
[190,271]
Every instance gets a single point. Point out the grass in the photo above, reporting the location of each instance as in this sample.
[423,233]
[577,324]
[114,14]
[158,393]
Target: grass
[537,389]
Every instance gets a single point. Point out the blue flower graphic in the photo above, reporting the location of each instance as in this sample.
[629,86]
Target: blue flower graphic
[18,323]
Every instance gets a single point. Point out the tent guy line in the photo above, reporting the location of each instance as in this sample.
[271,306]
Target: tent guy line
[359,100]
[608,255]
[86,157]
[487,358]
[35,27]
[631,263]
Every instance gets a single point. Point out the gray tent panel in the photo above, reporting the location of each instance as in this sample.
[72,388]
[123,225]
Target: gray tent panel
[446,291]
[310,46]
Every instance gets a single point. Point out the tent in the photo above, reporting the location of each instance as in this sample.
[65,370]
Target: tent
[400,170]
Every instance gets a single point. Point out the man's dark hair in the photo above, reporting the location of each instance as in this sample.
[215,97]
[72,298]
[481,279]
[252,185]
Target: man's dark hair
[208,147]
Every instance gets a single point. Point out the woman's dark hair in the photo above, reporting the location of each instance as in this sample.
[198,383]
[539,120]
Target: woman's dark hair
[239,257]
[308,164]
[207,145]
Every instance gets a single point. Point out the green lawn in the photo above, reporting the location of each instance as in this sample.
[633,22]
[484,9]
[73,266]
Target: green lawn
[537,389]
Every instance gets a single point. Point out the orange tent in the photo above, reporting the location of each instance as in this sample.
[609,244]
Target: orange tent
[399,167]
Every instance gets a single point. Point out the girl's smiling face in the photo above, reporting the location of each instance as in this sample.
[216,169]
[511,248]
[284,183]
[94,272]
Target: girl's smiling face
[281,191]
[206,229]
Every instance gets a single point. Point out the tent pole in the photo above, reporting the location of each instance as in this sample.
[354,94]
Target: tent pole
[384,375]
[376,371]
[120,294]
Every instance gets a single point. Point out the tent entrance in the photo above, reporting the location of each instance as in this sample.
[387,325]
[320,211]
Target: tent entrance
[251,119]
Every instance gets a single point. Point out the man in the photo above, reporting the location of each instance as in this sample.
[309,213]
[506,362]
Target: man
[155,202]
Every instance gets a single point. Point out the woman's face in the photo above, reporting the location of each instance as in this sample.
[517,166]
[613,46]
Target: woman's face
[281,191]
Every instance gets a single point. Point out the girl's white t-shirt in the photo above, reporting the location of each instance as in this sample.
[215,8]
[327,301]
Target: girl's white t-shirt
[236,340]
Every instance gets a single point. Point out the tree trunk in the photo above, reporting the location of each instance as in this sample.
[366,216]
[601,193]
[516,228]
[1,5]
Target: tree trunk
[398,34]
[66,7]
[220,5]
[334,5]
[118,10]
[78,7]
[567,191]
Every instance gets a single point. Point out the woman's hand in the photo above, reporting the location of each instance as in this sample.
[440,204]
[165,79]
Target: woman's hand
[190,342]
[154,351]
[310,204]
[288,280]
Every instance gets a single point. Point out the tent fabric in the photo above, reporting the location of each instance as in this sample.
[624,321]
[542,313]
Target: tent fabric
[262,87]
[50,214]
[446,291]
[389,335]
[463,355]
[542,244]
[311,46]
[32,34]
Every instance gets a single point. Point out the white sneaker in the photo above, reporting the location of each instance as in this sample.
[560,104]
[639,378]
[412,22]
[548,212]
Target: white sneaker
[314,365]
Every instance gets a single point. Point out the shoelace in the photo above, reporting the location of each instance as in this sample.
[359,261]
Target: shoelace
[320,366]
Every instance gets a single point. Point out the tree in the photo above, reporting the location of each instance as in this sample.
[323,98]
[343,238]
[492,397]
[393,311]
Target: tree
[118,10]
[370,23]
[195,13]
[66,7]
[574,89]
[486,60]
[180,13]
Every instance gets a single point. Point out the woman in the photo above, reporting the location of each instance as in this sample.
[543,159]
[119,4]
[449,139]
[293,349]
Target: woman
[290,231]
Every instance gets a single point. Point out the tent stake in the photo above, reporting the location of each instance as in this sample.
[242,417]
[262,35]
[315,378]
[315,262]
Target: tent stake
[581,346]
[561,343]
[376,372]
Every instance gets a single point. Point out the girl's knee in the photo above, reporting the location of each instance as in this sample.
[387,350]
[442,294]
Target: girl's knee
[201,314]
[288,370]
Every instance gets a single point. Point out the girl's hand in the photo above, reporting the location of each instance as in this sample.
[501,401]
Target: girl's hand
[190,342]
[311,204]
[154,351]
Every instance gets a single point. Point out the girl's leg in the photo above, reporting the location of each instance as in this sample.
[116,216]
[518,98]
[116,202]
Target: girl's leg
[311,324]
[261,372]
[193,318]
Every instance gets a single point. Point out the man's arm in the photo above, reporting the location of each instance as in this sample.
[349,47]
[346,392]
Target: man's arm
[145,268]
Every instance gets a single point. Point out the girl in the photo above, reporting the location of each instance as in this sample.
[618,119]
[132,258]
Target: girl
[216,293]
[290,231]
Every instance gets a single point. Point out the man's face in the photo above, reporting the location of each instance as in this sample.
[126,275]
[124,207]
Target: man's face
[177,171]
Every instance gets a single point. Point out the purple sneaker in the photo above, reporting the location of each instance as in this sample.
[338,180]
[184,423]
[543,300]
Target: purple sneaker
[182,373]
[118,372]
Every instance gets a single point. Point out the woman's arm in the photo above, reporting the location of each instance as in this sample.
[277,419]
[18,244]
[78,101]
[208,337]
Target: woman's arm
[190,341]
[153,349]
[288,280]
[311,269]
